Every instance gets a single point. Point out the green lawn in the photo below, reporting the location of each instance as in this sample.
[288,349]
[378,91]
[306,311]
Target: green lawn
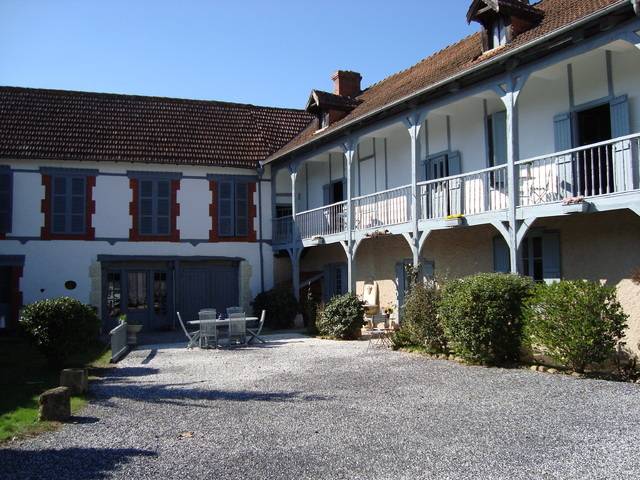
[24,375]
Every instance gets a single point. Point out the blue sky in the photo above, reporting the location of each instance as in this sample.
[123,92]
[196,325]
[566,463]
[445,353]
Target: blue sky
[261,52]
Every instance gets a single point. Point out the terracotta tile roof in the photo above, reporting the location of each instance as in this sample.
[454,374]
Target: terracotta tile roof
[64,125]
[452,60]
[325,101]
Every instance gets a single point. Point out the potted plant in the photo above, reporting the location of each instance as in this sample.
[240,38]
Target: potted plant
[454,220]
[575,205]
[133,328]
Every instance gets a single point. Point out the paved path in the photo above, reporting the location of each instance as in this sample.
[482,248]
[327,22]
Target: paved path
[303,408]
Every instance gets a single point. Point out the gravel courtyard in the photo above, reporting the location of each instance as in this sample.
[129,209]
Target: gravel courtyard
[316,409]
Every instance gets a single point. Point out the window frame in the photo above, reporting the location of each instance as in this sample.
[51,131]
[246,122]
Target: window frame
[238,201]
[8,227]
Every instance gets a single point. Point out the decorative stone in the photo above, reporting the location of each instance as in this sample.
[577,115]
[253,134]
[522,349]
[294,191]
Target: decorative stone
[76,379]
[552,370]
[542,368]
[55,404]
[576,374]
[534,368]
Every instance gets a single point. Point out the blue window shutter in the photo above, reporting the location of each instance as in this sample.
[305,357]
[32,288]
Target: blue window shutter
[455,185]
[162,207]
[501,257]
[454,161]
[242,209]
[401,283]
[499,138]
[562,132]
[146,207]
[551,256]
[326,194]
[563,139]
[343,279]
[428,269]
[620,124]
[77,204]
[6,194]
[225,208]
[327,286]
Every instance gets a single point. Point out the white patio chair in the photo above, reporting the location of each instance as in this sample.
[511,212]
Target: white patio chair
[231,310]
[192,336]
[208,331]
[238,328]
[255,334]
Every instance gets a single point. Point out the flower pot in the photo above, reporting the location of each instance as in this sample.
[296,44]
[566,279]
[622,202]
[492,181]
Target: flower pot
[453,222]
[582,207]
[132,334]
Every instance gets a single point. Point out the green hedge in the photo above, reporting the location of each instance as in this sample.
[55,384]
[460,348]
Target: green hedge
[577,323]
[342,317]
[60,327]
[482,316]
[421,323]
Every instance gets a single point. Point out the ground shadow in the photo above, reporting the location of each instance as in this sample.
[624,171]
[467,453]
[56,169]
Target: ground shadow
[122,372]
[73,463]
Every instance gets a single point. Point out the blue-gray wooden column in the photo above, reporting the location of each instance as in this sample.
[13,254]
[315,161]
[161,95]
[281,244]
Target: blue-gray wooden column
[293,252]
[349,149]
[414,123]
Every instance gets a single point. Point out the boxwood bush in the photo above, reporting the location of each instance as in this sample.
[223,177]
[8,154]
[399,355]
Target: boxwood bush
[482,316]
[342,317]
[421,323]
[60,327]
[576,322]
[281,306]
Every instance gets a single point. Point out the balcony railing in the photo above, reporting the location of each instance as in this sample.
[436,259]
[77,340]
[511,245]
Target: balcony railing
[282,229]
[590,171]
[381,209]
[322,221]
[466,194]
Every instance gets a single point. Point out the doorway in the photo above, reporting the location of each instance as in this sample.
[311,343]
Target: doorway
[594,170]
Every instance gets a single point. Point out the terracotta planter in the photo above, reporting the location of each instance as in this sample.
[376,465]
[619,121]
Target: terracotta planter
[132,334]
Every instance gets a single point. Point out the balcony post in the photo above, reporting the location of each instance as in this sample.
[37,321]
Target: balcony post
[349,149]
[414,123]
[294,251]
[509,92]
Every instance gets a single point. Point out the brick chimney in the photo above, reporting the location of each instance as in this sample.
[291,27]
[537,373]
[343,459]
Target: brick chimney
[346,83]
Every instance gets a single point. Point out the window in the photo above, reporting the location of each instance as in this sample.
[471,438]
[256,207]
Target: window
[233,209]
[539,254]
[283,211]
[137,291]
[497,138]
[160,293]
[68,204]
[6,194]
[114,307]
[335,281]
[155,211]
[498,34]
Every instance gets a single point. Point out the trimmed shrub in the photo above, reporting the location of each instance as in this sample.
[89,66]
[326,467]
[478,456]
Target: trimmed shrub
[342,317]
[576,322]
[310,308]
[482,316]
[420,320]
[60,327]
[281,306]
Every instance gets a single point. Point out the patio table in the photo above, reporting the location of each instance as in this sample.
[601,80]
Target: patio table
[222,322]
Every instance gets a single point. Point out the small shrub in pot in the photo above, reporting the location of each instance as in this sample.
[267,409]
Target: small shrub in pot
[60,327]
[342,317]
[482,316]
[576,322]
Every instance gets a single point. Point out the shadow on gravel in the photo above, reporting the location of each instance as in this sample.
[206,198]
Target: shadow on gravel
[71,463]
[176,394]
[123,372]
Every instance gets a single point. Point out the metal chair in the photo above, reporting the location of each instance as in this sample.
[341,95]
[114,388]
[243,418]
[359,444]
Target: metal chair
[238,328]
[192,336]
[231,310]
[208,330]
[255,334]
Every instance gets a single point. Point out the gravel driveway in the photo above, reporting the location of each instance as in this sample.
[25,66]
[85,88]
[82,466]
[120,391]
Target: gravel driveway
[316,409]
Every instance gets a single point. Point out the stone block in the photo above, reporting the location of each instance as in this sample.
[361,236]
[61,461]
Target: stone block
[76,379]
[55,404]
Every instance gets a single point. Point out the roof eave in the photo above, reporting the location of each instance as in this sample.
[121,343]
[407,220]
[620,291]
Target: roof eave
[408,98]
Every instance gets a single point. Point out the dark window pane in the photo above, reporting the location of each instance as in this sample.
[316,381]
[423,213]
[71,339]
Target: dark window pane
[58,223]
[113,294]
[225,208]
[77,186]
[137,286]
[146,188]
[146,225]
[163,207]
[163,225]
[59,185]
[225,190]
[5,182]
[537,270]
[77,224]
[226,227]
[160,292]
[59,204]
[537,247]
[163,188]
[77,204]
[146,207]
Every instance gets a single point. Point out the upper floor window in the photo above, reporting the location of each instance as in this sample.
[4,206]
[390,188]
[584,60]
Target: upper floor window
[68,205]
[154,209]
[232,208]
[6,194]
[498,34]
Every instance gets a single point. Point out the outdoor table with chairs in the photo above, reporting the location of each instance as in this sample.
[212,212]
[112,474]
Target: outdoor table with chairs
[213,328]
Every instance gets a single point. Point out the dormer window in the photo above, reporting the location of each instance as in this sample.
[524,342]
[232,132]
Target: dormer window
[324,119]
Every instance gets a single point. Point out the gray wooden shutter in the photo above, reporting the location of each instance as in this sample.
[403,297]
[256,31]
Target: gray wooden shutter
[401,283]
[242,209]
[551,256]
[499,138]
[455,186]
[146,207]
[59,186]
[326,194]
[6,194]
[343,279]
[563,141]
[162,205]
[501,257]
[622,153]
[225,208]
[428,269]
[327,284]
[77,203]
